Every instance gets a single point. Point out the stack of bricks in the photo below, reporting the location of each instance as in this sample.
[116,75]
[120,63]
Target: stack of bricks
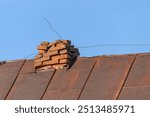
[56,55]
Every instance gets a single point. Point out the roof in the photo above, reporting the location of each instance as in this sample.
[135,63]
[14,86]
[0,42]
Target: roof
[101,77]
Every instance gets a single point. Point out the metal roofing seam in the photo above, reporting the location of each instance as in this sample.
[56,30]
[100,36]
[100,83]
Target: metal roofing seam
[68,84]
[126,77]
[136,86]
[101,77]
[87,78]
[107,77]
[14,80]
[48,84]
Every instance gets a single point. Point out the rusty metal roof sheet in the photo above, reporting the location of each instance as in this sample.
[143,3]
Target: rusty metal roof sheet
[103,77]
[107,78]
[69,84]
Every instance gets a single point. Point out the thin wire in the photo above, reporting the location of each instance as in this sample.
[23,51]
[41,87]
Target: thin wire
[52,28]
[115,45]
[30,55]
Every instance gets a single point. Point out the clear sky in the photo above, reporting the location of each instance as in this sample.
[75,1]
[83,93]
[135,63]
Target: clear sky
[84,22]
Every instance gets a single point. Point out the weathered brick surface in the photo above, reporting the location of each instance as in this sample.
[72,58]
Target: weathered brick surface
[58,47]
[42,47]
[63,56]
[65,51]
[50,62]
[64,61]
[55,55]
[42,51]
[45,43]
[38,56]
[38,64]
[51,53]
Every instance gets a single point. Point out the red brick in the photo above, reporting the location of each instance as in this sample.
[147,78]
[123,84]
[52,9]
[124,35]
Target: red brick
[58,41]
[45,43]
[38,60]
[41,51]
[65,51]
[44,68]
[58,47]
[54,43]
[38,56]
[37,64]
[64,61]
[51,53]
[43,59]
[60,44]
[63,56]
[42,47]
[50,62]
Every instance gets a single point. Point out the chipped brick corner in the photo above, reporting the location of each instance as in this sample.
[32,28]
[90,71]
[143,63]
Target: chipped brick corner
[55,55]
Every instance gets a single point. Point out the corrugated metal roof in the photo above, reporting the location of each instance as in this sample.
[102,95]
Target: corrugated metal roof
[102,77]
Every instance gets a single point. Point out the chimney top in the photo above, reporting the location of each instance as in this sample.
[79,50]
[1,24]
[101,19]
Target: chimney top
[59,54]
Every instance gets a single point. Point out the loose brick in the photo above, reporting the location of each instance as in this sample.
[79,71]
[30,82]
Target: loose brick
[50,62]
[58,41]
[46,58]
[63,56]
[38,60]
[64,61]
[56,57]
[41,51]
[37,64]
[60,66]
[60,47]
[50,45]
[65,51]
[54,43]
[38,56]
[42,47]
[45,43]
[44,68]
[43,59]
[52,53]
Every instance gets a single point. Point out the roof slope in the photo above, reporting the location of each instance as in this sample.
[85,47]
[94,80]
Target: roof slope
[102,77]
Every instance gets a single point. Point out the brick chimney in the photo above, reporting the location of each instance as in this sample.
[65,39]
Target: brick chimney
[55,55]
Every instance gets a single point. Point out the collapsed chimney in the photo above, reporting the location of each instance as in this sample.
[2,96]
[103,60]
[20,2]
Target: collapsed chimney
[55,55]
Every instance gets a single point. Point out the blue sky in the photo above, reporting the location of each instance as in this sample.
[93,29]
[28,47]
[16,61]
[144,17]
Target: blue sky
[84,22]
